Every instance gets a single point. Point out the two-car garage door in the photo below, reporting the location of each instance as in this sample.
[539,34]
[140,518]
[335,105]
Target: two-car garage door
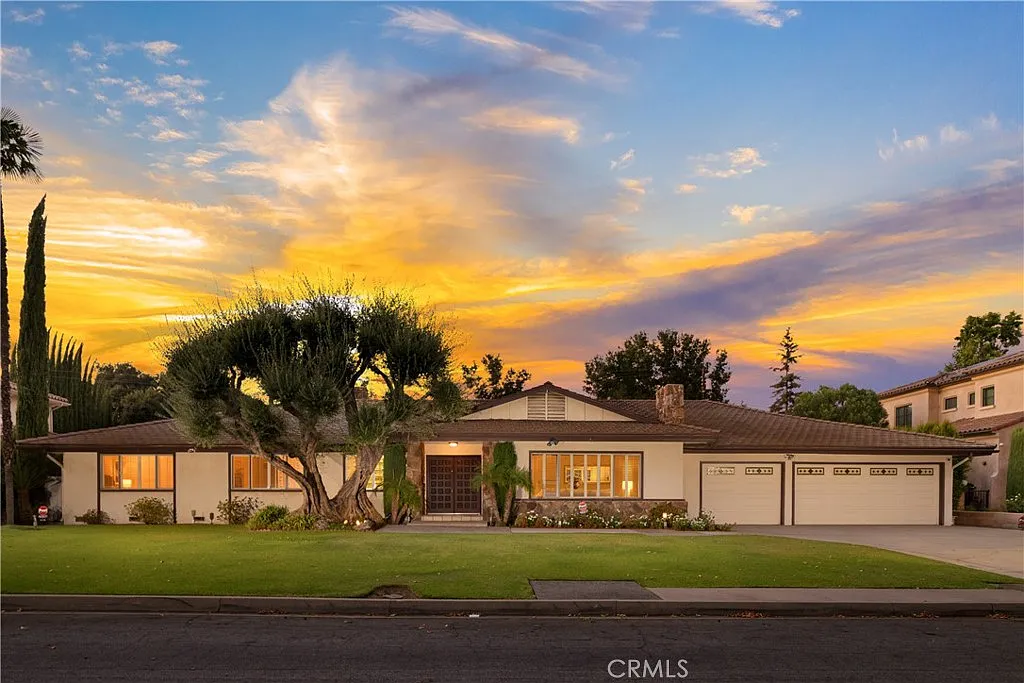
[866,494]
[848,493]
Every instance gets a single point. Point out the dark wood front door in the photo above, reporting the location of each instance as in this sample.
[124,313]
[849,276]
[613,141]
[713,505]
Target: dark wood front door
[450,484]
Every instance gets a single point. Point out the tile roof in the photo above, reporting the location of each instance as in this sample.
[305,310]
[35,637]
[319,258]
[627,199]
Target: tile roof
[749,429]
[577,430]
[158,435]
[1011,359]
[984,425]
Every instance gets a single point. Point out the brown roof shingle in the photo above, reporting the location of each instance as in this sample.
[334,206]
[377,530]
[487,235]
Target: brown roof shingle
[984,425]
[573,429]
[952,377]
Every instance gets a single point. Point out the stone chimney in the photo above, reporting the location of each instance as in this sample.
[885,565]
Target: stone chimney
[669,400]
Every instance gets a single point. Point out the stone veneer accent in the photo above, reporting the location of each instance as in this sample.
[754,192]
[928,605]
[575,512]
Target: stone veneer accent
[621,507]
[488,505]
[669,401]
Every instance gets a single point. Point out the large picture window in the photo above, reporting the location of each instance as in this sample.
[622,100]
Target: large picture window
[585,475]
[249,472]
[138,472]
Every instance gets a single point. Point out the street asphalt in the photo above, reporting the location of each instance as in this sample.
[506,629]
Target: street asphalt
[52,648]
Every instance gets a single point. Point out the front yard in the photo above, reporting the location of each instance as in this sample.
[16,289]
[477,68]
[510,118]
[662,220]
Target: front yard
[220,560]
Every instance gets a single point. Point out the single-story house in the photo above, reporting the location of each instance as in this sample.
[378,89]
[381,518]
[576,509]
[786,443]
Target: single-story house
[743,465]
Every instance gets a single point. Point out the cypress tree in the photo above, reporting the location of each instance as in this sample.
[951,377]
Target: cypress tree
[787,388]
[33,360]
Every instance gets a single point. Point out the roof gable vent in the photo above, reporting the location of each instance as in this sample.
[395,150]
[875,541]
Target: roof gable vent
[546,406]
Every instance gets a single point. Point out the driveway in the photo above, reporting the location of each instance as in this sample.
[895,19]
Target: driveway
[995,550]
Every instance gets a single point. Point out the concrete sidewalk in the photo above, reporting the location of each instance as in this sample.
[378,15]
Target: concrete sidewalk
[723,602]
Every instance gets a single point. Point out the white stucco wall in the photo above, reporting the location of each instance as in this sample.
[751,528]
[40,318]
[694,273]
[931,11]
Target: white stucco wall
[200,481]
[80,485]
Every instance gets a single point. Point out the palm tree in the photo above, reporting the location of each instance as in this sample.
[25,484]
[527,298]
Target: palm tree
[20,149]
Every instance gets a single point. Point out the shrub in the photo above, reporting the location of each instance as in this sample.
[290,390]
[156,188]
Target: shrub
[95,517]
[237,510]
[1015,503]
[265,517]
[150,510]
[1015,466]
[659,517]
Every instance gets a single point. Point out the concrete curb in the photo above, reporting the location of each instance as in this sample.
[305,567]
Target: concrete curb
[166,604]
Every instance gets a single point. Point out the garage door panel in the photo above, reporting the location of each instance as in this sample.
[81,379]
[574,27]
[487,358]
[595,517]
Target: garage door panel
[742,492]
[876,493]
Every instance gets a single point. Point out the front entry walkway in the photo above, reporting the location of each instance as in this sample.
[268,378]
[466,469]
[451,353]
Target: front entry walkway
[995,550]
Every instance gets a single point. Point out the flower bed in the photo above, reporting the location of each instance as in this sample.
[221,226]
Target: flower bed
[654,519]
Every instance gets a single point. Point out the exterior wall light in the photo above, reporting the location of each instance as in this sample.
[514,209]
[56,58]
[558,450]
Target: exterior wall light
[453,444]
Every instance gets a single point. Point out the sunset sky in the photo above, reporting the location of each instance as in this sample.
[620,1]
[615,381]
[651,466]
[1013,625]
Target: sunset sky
[556,176]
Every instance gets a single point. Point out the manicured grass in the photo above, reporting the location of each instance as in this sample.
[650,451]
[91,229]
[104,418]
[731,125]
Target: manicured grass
[218,560]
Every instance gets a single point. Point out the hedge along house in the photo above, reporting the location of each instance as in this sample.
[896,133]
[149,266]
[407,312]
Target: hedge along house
[743,465]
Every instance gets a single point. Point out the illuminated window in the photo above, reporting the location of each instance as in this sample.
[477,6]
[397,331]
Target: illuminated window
[585,475]
[138,472]
[376,480]
[252,472]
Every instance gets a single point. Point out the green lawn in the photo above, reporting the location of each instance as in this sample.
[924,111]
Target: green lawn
[218,560]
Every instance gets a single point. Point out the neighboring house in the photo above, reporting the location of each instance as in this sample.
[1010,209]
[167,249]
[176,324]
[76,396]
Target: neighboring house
[743,465]
[985,402]
[55,403]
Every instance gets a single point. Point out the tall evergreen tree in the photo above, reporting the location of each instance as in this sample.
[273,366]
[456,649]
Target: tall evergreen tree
[788,386]
[20,149]
[33,337]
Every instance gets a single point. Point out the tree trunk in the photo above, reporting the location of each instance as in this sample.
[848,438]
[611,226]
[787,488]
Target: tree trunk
[7,445]
[352,502]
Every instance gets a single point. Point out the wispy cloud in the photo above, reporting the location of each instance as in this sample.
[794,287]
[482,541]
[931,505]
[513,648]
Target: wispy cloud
[916,143]
[632,15]
[990,123]
[156,51]
[670,33]
[746,215]
[515,119]
[752,11]
[34,17]
[998,169]
[202,157]
[950,134]
[624,160]
[163,131]
[69,6]
[687,188]
[430,22]
[735,163]
[78,51]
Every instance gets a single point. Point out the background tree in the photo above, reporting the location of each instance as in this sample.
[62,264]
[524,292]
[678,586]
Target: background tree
[845,404]
[786,389]
[277,371]
[497,381]
[984,337]
[74,378]
[641,365]
[33,336]
[20,150]
[135,396]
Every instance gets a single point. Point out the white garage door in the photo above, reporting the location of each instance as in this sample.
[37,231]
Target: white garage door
[866,494]
[742,492]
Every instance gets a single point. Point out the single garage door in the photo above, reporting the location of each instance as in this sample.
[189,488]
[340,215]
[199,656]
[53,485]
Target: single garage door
[866,494]
[742,492]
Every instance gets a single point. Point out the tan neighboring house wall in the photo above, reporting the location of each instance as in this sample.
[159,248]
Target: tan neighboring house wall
[928,403]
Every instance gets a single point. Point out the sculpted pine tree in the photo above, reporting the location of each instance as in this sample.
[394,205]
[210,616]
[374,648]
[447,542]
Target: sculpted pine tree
[278,373]
[20,149]
[33,337]
[788,386]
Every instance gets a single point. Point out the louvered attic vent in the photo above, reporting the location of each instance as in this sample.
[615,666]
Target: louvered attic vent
[546,406]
